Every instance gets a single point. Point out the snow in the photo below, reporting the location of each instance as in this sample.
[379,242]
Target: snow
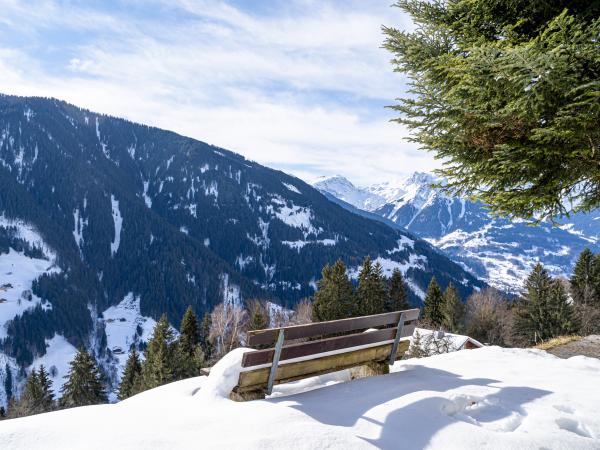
[80,223]
[102,144]
[343,189]
[59,353]
[118,222]
[230,291]
[17,273]
[147,198]
[473,399]
[292,188]
[434,342]
[403,243]
[294,216]
[28,233]
[299,245]
[223,376]
[121,324]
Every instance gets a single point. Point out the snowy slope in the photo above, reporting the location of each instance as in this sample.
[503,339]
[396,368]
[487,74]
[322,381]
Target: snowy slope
[473,399]
[343,189]
[499,251]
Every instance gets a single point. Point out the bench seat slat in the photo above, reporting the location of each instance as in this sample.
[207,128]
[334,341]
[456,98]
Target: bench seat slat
[324,345]
[257,379]
[269,336]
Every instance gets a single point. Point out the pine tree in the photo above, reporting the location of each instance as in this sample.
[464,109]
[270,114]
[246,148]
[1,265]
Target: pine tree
[397,300]
[84,385]
[433,313]
[8,382]
[334,298]
[189,333]
[189,356]
[259,319]
[531,66]
[159,362]
[584,279]
[29,402]
[204,337]
[131,379]
[543,311]
[453,310]
[371,295]
[562,316]
[46,398]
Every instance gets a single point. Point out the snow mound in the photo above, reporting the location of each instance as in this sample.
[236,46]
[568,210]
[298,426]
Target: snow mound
[224,375]
[490,398]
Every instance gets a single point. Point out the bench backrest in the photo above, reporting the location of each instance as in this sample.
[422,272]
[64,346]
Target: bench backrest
[388,322]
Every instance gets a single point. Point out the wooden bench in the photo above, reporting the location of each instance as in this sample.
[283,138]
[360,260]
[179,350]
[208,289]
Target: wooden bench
[304,351]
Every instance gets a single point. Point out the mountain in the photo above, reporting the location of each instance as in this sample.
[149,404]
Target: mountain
[107,224]
[343,189]
[500,251]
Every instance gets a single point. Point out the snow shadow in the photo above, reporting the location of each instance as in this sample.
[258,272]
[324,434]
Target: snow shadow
[411,424]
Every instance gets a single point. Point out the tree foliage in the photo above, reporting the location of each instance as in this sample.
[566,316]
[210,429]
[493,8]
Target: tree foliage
[158,367]
[334,298]
[507,94]
[131,381]
[84,385]
[585,281]
[397,299]
[433,305]
[453,310]
[372,292]
[543,311]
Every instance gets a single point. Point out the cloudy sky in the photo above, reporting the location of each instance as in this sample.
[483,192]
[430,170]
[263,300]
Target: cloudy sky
[298,85]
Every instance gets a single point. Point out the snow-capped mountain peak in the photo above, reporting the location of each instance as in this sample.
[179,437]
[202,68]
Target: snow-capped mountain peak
[342,188]
[500,251]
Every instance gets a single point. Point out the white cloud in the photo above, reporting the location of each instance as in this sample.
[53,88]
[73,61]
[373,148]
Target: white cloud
[303,90]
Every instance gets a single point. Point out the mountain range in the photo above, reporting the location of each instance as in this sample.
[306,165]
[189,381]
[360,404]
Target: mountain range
[498,250]
[106,224]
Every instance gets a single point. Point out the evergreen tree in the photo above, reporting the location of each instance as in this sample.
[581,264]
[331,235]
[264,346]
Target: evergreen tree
[204,337]
[562,316]
[584,279]
[506,92]
[543,311]
[372,293]
[8,382]
[453,310]
[433,312]
[46,395]
[29,402]
[131,380]
[159,363]
[189,333]
[84,385]
[259,319]
[396,300]
[334,298]
[189,356]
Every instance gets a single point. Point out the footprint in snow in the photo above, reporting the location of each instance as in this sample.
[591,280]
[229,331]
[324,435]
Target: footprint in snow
[574,426]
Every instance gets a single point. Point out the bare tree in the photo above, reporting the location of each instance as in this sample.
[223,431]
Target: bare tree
[489,318]
[302,313]
[227,329]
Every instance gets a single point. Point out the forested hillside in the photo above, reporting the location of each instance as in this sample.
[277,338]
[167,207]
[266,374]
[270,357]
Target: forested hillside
[129,214]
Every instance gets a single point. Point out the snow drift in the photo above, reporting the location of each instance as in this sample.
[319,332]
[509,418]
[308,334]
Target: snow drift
[472,399]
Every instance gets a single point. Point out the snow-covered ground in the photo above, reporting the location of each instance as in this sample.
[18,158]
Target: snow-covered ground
[56,360]
[473,399]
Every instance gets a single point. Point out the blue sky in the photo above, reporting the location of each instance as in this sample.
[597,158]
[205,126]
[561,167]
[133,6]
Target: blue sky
[298,85]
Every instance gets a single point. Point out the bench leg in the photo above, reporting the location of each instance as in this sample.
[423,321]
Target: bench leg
[246,396]
[370,369]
